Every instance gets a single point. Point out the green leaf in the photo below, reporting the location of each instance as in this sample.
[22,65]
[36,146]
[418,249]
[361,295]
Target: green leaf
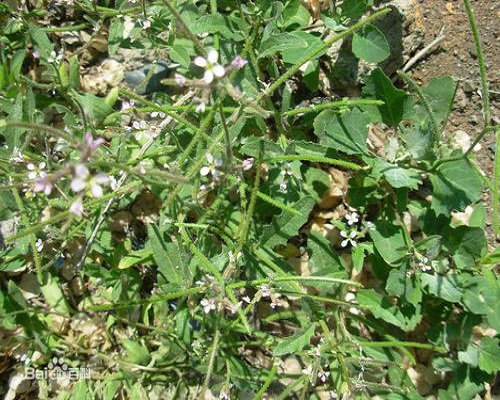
[136,353]
[215,24]
[380,86]
[295,343]
[380,307]
[95,108]
[135,257]
[440,93]
[346,132]
[179,54]
[370,44]
[287,224]
[115,35]
[53,294]
[280,42]
[295,53]
[40,40]
[482,297]
[74,73]
[396,176]
[456,184]
[443,286]
[492,258]
[166,256]
[390,243]
[466,245]
[489,355]
[354,9]
[253,147]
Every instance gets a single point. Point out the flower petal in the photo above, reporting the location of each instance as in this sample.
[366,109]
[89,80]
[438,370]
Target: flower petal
[218,70]
[77,185]
[204,171]
[76,207]
[81,171]
[208,76]
[200,62]
[212,56]
[96,190]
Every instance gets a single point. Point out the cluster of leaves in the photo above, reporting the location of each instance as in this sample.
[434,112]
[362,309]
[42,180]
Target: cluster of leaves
[181,283]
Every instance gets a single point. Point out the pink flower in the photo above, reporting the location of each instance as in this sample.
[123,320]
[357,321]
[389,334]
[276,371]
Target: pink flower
[43,184]
[92,143]
[238,62]
[77,207]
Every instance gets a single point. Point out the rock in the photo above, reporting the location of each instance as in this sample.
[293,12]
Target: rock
[136,78]
[101,79]
[29,286]
[473,50]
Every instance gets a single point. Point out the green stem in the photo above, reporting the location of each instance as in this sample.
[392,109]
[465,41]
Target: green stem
[32,238]
[78,27]
[313,158]
[482,66]
[333,104]
[211,362]
[313,53]
[397,343]
[267,383]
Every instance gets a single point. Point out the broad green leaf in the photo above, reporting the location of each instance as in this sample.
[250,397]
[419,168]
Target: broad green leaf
[166,256]
[456,184]
[136,353]
[215,24]
[466,245]
[135,257]
[317,182]
[470,355]
[380,307]
[295,14]
[390,243]
[346,132]
[287,224]
[354,9]
[370,44]
[74,73]
[440,93]
[463,385]
[295,343]
[115,35]
[54,295]
[489,355]
[40,40]
[95,108]
[443,286]
[380,86]
[280,42]
[179,54]
[294,54]
[254,146]
[482,297]
[396,176]
[492,258]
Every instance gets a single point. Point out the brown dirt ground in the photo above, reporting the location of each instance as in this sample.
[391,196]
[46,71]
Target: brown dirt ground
[457,56]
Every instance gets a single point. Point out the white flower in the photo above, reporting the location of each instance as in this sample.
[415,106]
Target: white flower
[76,207]
[127,105]
[423,263]
[180,79]
[246,299]
[370,225]
[323,375]
[238,62]
[235,307]
[212,67]
[349,238]
[266,290]
[43,184]
[160,114]
[212,167]
[248,163]
[352,218]
[308,371]
[39,245]
[36,171]
[55,57]
[200,105]
[208,305]
[17,156]
[82,180]
[128,25]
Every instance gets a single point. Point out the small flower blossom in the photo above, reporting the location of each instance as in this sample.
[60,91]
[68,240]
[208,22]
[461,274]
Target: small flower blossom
[308,371]
[17,156]
[200,105]
[323,375]
[248,163]
[212,167]
[235,307]
[55,57]
[238,62]
[127,105]
[212,68]
[156,114]
[43,184]
[36,54]
[39,245]
[423,263]
[36,171]
[349,238]
[352,218]
[76,207]
[92,143]
[370,225]
[266,290]
[82,180]
[180,80]
[246,299]
[128,26]
[208,305]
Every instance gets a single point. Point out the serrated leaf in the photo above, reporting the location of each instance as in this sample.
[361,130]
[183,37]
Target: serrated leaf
[295,343]
[134,258]
[455,185]
[115,35]
[443,286]
[323,260]
[466,245]
[215,24]
[370,45]
[390,243]
[254,146]
[287,224]
[346,132]
[40,40]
